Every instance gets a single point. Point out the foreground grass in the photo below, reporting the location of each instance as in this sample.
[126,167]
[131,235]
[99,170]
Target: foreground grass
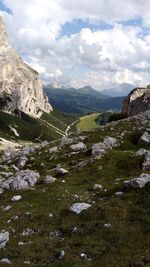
[88,122]
[125,244]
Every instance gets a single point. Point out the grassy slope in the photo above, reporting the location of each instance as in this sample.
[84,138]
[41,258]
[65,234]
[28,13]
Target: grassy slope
[88,122]
[126,244]
[30,128]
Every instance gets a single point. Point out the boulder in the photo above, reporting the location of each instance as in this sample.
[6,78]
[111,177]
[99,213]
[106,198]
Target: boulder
[138,182]
[78,147]
[53,149]
[146,162]
[137,101]
[22,162]
[141,152]
[16,198]
[23,180]
[144,139]
[79,207]
[99,149]
[67,141]
[60,171]
[4,238]
[49,179]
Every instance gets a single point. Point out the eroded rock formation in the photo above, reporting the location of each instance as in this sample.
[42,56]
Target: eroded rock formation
[137,101]
[20,87]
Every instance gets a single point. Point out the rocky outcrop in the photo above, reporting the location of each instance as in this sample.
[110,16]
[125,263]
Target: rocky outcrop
[137,101]
[20,87]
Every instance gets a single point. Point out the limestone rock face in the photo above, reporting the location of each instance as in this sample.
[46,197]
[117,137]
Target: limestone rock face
[20,87]
[137,101]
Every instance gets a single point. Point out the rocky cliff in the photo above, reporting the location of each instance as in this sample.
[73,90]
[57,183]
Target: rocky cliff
[20,87]
[137,101]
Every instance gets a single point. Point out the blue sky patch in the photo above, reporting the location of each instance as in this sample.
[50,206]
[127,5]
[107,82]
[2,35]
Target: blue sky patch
[77,25]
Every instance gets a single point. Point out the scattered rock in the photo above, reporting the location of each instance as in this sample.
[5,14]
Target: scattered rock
[55,234]
[23,180]
[79,207]
[141,152]
[7,208]
[146,162]
[53,149]
[78,147]
[144,139]
[97,187]
[22,162]
[60,171]
[99,149]
[61,255]
[67,141]
[49,179]
[139,182]
[28,232]
[16,198]
[4,238]
[118,193]
[82,164]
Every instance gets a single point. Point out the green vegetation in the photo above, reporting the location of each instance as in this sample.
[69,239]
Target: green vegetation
[126,243]
[88,122]
[50,127]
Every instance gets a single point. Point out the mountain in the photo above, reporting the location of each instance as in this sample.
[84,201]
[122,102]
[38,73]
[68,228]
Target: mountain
[137,101]
[20,87]
[81,101]
[25,113]
[88,90]
[120,90]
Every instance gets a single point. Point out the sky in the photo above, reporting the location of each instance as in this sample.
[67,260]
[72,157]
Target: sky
[101,43]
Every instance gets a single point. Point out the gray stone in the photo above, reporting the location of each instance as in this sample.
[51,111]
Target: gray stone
[99,149]
[97,187]
[78,147]
[79,207]
[139,182]
[20,82]
[4,238]
[49,179]
[16,198]
[67,141]
[23,180]
[146,162]
[144,139]
[53,149]
[60,171]
[22,162]
[141,152]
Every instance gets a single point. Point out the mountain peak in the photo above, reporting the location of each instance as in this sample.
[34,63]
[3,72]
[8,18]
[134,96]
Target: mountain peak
[20,87]
[3,34]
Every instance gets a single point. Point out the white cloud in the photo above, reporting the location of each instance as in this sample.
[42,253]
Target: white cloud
[100,58]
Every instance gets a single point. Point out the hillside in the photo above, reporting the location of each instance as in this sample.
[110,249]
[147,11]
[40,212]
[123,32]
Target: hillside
[82,101]
[80,206]
[25,128]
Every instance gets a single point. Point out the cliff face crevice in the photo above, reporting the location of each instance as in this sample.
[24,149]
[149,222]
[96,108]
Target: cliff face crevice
[19,81]
[137,101]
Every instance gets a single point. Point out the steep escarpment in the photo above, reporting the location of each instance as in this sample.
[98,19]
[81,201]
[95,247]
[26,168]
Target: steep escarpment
[20,87]
[137,101]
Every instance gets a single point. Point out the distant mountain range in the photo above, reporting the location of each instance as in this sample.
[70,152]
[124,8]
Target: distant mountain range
[82,100]
[121,90]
